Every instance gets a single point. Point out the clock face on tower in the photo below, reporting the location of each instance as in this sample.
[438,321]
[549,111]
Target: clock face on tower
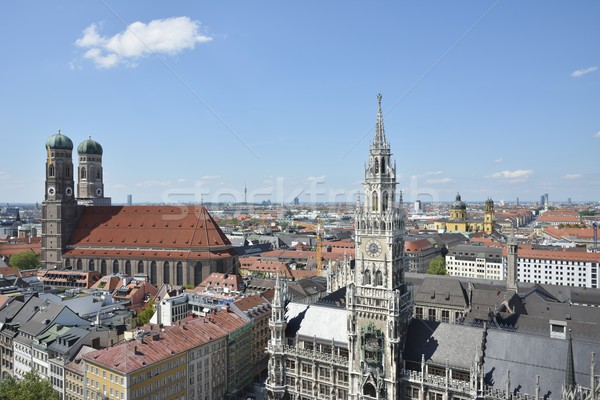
[373,248]
[68,191]
[51,191]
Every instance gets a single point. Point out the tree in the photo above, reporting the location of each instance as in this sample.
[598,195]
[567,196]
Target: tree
[25,260]
[144,316]
[437,266]
[31,387]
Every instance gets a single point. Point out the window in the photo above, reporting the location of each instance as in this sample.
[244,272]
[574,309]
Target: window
[306,369]
[51,171]
[445,316]
[83,173]
[419,312]
[432,314]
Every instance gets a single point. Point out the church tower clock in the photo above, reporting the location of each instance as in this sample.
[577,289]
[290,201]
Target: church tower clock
[378,301]
[59,209]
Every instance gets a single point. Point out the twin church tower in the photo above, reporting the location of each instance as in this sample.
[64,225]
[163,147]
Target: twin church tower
[62,204]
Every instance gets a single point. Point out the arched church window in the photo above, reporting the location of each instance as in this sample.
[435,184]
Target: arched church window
[51,171]
[128,267]
[376,165]
[179,274]
[83,173]
[375,201]
[367,278]
[153,273]
[166,273]
[103,267]
[378,278]
[115,267]
[197,273]
[68,172]
[91,266]
[140,267]
[383,165]
[79,265]
[98,174]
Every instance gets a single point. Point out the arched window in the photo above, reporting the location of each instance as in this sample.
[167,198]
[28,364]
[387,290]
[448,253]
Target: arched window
[197,273]
[153,273]
[362,225]
[79,265]
[128,267]
[383,165]
[378,278]
[179,274]
[98,174]
[68,171]
[91,266]
[103,267]
[367,278]
[140,268]
[68,263]
[375,201]
[51,171]
[376,165]
[115,267]
[83,173]
[369,390]
[166,273]
[385,200]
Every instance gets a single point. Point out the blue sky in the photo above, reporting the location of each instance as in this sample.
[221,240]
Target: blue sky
[193,100]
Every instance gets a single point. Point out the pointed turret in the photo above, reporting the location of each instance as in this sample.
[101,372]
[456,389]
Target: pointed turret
[379,141]
[570,383]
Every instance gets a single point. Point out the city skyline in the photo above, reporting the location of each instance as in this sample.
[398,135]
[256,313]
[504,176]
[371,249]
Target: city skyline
[489,99]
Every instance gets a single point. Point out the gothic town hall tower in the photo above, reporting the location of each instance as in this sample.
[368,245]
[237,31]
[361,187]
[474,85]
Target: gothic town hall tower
[378,302]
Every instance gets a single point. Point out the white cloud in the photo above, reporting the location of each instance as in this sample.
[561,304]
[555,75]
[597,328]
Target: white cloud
[517,176]
[432,173]
[441,181]
[597,135]
[572,176]
[210,177]
[160,36]
[584,71]
[498,160]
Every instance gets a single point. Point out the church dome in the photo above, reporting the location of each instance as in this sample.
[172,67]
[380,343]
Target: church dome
[59,142]
[89,147]
[458,203]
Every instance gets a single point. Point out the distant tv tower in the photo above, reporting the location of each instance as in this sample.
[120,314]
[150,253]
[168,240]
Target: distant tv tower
[245,194]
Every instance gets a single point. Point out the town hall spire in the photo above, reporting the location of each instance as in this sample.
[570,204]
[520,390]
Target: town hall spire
[379,141]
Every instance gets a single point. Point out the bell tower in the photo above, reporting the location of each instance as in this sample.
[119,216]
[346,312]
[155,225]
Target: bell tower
[488,217]
[90,187]
[59,209]
[378,300]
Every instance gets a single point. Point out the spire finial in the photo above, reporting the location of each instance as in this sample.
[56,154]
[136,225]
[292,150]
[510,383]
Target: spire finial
[59,132]
[90,137]
[570,382]
[379,140]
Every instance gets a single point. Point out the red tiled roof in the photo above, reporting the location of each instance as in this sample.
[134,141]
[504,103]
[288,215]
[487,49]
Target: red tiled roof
[219,280]
[581,233]
[190,332]
[153,227]
[417,245]
[9,249]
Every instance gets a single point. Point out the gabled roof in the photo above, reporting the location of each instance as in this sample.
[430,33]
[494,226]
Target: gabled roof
[526,356]
[156,231]
[441,343]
